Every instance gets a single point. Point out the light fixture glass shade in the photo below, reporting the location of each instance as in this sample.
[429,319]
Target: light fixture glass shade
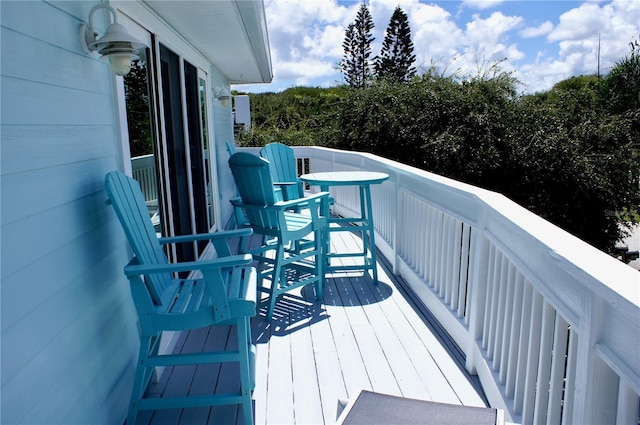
[116,45]
[223,95]
[116,36]
[120,64]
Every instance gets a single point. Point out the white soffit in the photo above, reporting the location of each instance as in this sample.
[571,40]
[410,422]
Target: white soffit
[232,34]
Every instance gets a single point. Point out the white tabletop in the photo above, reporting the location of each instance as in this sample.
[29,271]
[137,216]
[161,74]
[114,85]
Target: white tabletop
[344,178]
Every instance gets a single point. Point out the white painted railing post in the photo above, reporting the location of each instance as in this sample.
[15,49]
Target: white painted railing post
[596,388]
[398,212]
[477,291]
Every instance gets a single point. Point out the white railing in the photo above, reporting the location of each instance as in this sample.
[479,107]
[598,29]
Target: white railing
[144,171]
[549,324]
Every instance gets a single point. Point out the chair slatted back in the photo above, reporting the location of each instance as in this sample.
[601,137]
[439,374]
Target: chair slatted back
[128,202]
[282,165]
[255,186]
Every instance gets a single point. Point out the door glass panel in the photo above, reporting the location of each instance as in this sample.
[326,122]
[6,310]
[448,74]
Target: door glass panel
[208,158]
[170,146]
[196,151]
[176,150]
[141,138]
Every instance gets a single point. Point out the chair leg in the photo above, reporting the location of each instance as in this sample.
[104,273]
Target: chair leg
[148,347]
[247,365]
[321,238]
[276,278]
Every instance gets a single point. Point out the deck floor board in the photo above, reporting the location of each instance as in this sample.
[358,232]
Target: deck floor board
[312,354]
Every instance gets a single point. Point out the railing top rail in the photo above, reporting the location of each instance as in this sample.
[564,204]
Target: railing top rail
[564,256]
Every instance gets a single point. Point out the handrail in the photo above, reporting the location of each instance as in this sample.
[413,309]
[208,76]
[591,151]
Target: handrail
[144,171]
[549,323]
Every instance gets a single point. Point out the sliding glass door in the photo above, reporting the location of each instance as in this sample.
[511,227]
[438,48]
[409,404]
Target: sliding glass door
[178,147]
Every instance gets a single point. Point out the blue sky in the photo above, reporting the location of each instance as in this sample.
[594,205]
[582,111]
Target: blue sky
[541,41]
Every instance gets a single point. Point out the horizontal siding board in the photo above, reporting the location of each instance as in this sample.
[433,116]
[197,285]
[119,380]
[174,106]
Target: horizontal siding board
[33,103]
[26,194]
[47,21]
[29,148]
[65,353]
[81,295]
[36,236]
[97,364]
[35,58]
[25,289]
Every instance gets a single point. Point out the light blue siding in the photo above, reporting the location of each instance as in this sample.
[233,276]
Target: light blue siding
[223,133]
[69,334]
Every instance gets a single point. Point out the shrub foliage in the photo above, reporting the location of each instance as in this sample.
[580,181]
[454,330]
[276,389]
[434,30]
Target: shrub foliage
[570,154]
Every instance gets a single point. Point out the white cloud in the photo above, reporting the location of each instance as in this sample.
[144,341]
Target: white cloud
[306,37]
[482,4]
[544,28]
[492,29]
[436,37]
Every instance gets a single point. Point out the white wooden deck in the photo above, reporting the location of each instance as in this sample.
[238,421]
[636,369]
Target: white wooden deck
[312,354]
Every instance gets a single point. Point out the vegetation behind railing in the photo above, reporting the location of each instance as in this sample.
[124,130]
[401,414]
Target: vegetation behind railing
[549,323]
[569,154]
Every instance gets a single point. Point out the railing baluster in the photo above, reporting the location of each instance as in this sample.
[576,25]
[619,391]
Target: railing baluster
[422,244]
[569,388]
[439,254]
[558,364]
[628,402]
[544,364]
[523,347]
[447,258]
[533,356]
[508,324]
[495,296]
[514,337]
[465,271]
[433,248]
[500,322]
[489,295]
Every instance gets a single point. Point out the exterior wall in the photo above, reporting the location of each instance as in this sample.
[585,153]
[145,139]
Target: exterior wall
[223,133]
[69,336]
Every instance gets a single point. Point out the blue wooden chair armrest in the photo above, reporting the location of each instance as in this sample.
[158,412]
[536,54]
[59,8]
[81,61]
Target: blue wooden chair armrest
[134,269]
[237,296]
[284,205]
[220,240]
[227,234]
[306,201]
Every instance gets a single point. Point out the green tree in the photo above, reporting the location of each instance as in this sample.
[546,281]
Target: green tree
[396,57]
[297,116]
[355,64]
[136,93]
[621,87]
[348,64]
[562,154]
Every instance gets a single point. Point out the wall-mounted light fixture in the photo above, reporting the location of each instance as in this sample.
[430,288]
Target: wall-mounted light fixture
[223,95]
[116,44]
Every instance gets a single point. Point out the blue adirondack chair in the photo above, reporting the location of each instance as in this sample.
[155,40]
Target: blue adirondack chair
[284,173]
[219,291]
[289,265]
[238,214]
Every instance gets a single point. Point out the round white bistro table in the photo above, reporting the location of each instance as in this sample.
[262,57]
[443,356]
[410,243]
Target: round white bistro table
[364,180]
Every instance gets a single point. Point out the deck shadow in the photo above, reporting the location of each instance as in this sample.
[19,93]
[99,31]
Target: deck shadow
[299,309]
